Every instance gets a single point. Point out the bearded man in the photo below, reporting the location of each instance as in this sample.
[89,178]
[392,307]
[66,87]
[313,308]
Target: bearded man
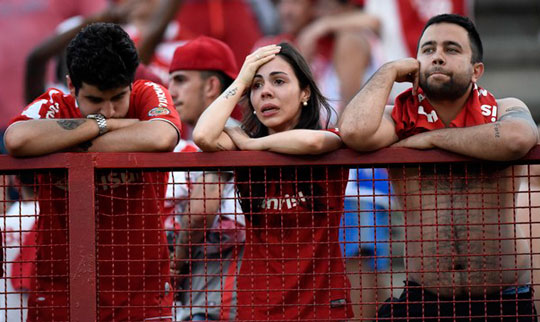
[465,256]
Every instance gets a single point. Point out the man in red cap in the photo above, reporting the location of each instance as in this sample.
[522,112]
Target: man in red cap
[200,71]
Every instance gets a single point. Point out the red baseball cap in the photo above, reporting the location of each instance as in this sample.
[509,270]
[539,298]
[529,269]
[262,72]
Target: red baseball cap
[205,53]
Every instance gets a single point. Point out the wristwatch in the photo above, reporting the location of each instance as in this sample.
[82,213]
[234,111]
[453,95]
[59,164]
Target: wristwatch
[101,122]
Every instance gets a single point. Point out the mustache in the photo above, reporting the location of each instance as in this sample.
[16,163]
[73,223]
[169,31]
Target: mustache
[438,70]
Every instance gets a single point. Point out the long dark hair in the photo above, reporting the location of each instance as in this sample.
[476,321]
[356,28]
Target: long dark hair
[310,116]
[253,183]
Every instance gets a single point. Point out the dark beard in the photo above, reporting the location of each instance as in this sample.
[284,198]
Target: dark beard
[448,91]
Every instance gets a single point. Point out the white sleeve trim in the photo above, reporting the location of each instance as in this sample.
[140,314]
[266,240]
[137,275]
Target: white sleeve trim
[178,134]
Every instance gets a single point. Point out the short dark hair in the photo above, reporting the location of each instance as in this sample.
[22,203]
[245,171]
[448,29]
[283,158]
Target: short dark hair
[468,25]
[224,80]
[102,55]
[310,116]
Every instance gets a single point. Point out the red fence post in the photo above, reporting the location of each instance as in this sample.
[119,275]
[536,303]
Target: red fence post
[82,242]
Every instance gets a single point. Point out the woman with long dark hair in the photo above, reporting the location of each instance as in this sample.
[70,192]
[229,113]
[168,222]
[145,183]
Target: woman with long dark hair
[292,266]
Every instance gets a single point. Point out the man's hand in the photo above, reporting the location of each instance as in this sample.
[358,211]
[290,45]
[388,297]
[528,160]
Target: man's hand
[406,70]
[422,141]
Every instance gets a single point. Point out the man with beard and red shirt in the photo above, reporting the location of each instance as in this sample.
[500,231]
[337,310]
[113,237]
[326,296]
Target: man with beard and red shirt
[105,111]
[465,256]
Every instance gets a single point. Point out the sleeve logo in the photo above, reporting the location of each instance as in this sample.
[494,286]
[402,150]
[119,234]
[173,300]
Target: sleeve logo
[157,111]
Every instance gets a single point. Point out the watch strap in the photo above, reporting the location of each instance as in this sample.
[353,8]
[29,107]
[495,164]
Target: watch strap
[101,122]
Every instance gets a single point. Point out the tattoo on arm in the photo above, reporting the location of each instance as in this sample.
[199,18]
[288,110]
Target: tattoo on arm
[497,131]
[70,124]
[231,92]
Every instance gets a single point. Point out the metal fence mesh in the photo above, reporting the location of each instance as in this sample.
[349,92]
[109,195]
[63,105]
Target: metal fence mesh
[423,242]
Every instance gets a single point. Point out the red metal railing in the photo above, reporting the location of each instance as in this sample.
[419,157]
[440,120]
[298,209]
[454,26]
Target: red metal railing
[81,172]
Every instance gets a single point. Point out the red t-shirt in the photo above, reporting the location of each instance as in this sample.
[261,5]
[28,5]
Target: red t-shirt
[413,114]
[292,267]
[132,256]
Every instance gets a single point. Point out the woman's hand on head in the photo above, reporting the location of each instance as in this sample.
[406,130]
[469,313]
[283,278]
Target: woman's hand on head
[255,60]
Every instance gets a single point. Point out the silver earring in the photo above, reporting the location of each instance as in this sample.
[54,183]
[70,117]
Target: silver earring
[304,103]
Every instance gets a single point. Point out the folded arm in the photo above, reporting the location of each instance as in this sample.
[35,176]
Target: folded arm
[350,22]
[289,142]
[39,137]
[510,138]
[141,136]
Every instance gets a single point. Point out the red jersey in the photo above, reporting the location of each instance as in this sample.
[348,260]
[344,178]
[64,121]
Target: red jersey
[132,256]
[413,114]
[292,267]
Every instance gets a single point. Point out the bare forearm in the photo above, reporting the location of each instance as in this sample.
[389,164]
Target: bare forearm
[212,122]
[144,136]
[153,35]
[203,207]
[295,142]
[351,70]
[195,225]
[39,137]
[204,203]
[499,141]
[354,21]
[362,116]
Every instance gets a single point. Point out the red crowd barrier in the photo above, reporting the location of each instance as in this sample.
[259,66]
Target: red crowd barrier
[306,237]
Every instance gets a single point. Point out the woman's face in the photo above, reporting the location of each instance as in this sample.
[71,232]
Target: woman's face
[276,96]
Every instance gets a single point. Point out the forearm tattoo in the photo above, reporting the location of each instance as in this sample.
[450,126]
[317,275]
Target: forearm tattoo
[231,92]
[497,131]
[70,124]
